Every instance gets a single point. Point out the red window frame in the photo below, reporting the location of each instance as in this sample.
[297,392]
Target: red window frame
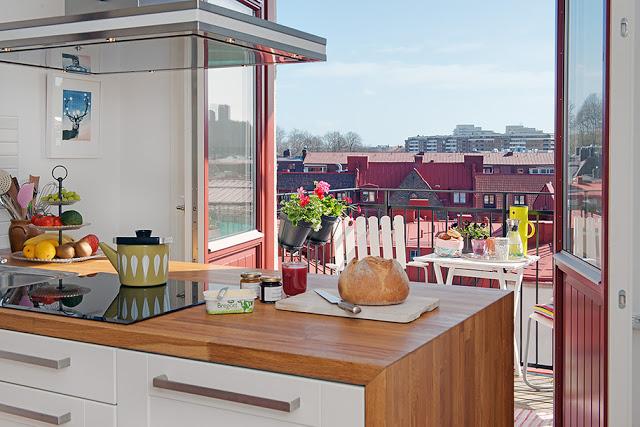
[265,144]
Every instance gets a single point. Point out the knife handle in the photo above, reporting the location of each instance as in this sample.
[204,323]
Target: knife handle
[351,308]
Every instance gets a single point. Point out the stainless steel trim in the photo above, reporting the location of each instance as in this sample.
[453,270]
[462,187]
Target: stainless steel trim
[219,10]
[162,382]
[156,9]
[55,420]
[109,14]
[565,260]
[195,164]
[35,360]
[257,43]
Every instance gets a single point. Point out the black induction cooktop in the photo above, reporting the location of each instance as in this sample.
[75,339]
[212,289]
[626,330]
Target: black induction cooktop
[101,297]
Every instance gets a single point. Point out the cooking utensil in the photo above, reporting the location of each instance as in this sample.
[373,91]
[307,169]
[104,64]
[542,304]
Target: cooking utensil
[35,180]
[348,307]
[5,201]
[25,196]
[41,206]
[5,181]
[140,261]
[13,194]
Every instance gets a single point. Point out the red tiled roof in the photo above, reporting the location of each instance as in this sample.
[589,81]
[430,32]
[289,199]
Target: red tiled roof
[511,183]
[395,157]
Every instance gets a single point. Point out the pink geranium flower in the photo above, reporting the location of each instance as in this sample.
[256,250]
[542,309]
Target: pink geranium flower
[323,186]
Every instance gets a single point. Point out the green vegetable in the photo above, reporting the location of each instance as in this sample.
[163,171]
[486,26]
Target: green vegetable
[71,218]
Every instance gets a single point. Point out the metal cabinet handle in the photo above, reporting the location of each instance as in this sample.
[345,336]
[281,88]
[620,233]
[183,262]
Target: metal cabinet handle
[35,360]
[164,383]
[55,420]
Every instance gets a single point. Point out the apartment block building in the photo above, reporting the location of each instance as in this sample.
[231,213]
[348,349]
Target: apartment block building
[471,138]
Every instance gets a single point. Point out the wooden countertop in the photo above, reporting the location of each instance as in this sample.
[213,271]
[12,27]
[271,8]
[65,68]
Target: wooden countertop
[337,349]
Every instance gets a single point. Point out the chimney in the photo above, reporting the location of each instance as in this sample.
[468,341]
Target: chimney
[286,153]
[357,162]
[304,153]
[418,158]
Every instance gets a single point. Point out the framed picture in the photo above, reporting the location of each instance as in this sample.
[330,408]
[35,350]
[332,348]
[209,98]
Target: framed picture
[73,117]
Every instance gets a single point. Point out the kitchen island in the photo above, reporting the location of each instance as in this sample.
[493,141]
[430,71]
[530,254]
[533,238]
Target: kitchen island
[452,366]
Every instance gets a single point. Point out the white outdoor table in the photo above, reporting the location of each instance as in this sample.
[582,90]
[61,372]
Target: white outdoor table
[502,271]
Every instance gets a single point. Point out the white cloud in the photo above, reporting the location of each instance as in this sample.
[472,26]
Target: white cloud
[452,76]
[459,47]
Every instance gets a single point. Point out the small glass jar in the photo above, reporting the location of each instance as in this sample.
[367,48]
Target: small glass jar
[491,247]
[251,280]
[502,248]
[270,289]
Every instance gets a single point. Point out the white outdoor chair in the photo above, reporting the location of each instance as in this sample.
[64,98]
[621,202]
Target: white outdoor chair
[349,235]
[586,237]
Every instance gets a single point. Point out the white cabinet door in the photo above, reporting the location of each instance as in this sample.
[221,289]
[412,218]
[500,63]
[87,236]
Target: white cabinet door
[24,406]
[196,394]
[67,367]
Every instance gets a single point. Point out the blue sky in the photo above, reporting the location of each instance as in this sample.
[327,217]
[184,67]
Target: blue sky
[402,68]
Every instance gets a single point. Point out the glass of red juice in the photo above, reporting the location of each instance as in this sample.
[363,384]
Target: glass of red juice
[294,278]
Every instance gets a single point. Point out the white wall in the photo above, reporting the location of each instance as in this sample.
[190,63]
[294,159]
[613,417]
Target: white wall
[130,185]
[24,96]
[17,10]
[136,181]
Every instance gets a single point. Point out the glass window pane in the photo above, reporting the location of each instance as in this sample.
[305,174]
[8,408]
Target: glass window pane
[583,140]
[232,146]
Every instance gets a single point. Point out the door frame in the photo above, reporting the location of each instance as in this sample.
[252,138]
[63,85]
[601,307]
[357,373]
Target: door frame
[621,202]
[618,200]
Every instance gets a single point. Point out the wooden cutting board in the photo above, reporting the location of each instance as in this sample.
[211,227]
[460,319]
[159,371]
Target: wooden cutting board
[408,311]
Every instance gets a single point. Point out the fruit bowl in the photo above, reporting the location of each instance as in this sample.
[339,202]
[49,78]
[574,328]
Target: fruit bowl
[20,257]
[451,248]
[60,227]
[57,203]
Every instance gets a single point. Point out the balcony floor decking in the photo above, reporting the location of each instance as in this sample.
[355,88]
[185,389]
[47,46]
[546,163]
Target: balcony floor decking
[537,405]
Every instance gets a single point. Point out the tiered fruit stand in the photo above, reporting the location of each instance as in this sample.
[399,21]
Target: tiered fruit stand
[59,176]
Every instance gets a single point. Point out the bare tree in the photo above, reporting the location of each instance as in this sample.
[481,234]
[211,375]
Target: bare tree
[588,121]
[334,141]
[353,141]
[281,140]
[296,140]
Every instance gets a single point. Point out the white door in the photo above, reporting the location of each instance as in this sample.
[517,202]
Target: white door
[623,203]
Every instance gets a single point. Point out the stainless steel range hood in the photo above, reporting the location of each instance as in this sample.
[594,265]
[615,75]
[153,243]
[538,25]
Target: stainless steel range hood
[169,36]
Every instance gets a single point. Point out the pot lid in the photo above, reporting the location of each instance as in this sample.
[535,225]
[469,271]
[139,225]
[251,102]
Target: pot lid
[180,35]
[143,237]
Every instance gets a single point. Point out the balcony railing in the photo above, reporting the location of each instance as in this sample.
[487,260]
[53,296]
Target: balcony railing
[428,212]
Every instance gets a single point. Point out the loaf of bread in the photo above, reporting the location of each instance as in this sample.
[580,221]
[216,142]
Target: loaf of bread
[374,281]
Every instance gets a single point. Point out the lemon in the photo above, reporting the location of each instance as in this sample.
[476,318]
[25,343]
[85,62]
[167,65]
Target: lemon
[29,251]
[53,242]
[45,250]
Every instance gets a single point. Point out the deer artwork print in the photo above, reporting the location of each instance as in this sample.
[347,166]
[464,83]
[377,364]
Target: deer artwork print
[77,115]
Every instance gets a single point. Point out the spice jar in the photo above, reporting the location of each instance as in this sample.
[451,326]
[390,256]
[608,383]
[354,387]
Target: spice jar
[251,280]
[270,289]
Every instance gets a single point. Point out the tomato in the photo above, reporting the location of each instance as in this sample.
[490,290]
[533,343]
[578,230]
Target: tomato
[46,220]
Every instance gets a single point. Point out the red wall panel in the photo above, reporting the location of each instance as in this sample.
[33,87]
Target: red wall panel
[584,329]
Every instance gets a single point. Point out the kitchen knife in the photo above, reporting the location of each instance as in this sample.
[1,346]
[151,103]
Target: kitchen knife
[348,307]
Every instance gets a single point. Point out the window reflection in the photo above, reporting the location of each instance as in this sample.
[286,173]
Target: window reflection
[231,151]
[583,142]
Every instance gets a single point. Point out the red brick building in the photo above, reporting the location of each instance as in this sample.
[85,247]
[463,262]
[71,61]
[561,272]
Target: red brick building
[484,176]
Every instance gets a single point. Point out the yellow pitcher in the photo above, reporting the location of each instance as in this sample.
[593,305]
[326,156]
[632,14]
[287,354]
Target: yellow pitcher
[526,229]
